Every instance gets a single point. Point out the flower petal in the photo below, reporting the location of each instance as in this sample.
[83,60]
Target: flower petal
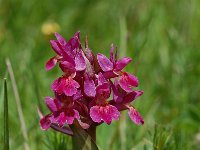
[133,81]
[112,57]
[72,45]
[60,39]
[127,80]
[67,66]
[70,87]
[104,62]
[120,64]
[74,115]
[58,85]
[110,112]
[45,122]
[80,62]
[51,63]
[101,79]
[95,114]
[78,95]
[117,95]
[55,47]
[132,96]
[89,87]
[51,104]
[55,84]
[135,116]
[74,42]
[106,113]
[61,120]
[109,74]
[77,35]
[102,92]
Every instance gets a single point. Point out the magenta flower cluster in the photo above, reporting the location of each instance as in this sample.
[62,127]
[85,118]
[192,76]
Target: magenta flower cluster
[93,88]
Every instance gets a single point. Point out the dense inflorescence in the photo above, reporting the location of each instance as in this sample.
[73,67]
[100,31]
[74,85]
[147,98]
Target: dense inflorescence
[93,88]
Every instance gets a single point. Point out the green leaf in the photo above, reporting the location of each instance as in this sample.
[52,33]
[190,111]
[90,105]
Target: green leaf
[6,126]
[81,139]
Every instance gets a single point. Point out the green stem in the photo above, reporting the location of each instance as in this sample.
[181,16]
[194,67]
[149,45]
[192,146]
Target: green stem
[84,139]
[92,132]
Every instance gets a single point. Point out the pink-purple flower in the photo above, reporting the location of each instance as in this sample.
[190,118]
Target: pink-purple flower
[92,89]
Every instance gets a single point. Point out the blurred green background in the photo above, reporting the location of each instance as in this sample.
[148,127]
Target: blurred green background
[162,37]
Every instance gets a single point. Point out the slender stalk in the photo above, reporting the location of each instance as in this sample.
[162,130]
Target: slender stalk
[18,103]
[75,145]
[6,125]
[83,139]
[92,132]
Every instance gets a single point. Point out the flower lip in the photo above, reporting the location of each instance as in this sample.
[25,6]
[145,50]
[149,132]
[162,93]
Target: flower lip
[105,113]
[45,122]
[65,85]
[127,80]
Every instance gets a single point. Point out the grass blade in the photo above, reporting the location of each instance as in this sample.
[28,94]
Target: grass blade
[18,103]
[6,125]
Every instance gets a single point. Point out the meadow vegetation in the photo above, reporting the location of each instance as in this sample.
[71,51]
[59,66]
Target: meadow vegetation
[162,37]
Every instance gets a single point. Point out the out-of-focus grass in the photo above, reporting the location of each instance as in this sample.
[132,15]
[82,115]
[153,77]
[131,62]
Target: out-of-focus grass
[162,37]
[5,119]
